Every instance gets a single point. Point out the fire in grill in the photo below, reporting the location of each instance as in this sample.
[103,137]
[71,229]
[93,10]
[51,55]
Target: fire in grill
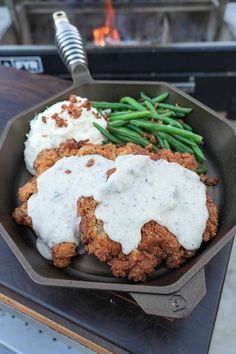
[122,22]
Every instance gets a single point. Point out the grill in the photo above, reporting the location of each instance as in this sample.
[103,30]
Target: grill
[138,22]
[206,71]
[184,42]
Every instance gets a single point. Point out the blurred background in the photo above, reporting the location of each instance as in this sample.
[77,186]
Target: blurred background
[121,22]
[189,43]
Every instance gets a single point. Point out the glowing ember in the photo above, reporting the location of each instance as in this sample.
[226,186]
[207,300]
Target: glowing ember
[107,33]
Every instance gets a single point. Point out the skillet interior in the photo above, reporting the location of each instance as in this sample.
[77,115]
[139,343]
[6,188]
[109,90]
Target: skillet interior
[220,149]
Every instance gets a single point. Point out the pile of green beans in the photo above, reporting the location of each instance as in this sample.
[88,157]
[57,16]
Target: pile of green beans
[150,119]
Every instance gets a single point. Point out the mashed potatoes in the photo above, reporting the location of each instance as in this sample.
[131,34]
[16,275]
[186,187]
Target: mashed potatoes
[64,120]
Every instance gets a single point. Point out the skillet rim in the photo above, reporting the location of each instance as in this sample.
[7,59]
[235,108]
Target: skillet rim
[136,288]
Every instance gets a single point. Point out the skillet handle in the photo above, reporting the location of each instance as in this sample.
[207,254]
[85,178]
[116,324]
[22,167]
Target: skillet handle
[70,47]
[176,305]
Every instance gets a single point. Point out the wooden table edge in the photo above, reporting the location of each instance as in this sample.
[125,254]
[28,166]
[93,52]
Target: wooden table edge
[51,323]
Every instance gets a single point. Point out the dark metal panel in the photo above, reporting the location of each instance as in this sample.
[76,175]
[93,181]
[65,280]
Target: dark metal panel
[211,66]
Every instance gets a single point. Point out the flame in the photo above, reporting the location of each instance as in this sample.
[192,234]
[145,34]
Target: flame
[108,32]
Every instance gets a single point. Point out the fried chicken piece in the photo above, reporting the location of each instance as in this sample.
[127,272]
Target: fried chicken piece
[20,215]
[92,229]
[47,158]
[187,160]
[62,253]
[212,222]
[208,181]
[157,243]
[29,188]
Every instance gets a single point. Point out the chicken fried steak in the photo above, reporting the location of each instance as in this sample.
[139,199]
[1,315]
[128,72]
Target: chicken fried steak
[157,243]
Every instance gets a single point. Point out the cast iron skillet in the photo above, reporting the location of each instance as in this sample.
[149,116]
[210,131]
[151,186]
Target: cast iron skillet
[169,293]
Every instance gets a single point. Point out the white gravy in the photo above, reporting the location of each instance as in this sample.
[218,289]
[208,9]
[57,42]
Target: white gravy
[45,133]
[138,191]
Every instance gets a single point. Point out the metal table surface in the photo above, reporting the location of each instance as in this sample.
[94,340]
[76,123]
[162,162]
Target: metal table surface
[100,320]
[34,337]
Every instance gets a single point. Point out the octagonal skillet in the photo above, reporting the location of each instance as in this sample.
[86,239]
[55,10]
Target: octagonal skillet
[169,293]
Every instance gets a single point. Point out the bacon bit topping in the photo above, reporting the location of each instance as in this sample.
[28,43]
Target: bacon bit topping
[80,143]
[109,172]
[145,135]
[208,181]
[74,110]
[59,121]
[86,104]
[150,136]
[67,172]
[153,139]
[44,119]
[96,115]
[148,147]
[90,163]
[106,116]
[73,99]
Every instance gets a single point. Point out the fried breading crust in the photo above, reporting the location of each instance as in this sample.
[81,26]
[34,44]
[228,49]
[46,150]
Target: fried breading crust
[62,253]
[29,188]
[20,215]
[157,243]
[47,158]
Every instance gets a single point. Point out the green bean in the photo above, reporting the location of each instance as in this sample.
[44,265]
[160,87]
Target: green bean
[166,144]
[145,97]
[160,98]
[154,147]
[164,118]
[149,105]
[125,139]
[129,133]
[167,114]
[160,140]
[116,123]
[135,141]
[184,140]
[198,153]
[167,129]
[105,142]
[201,170]
[161,111]
[168,121]
[187,127]
[133,103]
[136,129]
[179,115]
[176,144]
[108,135]
[114,114]
[132,115]
[175,108]
[111,105]
[171,121]
[126,132]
